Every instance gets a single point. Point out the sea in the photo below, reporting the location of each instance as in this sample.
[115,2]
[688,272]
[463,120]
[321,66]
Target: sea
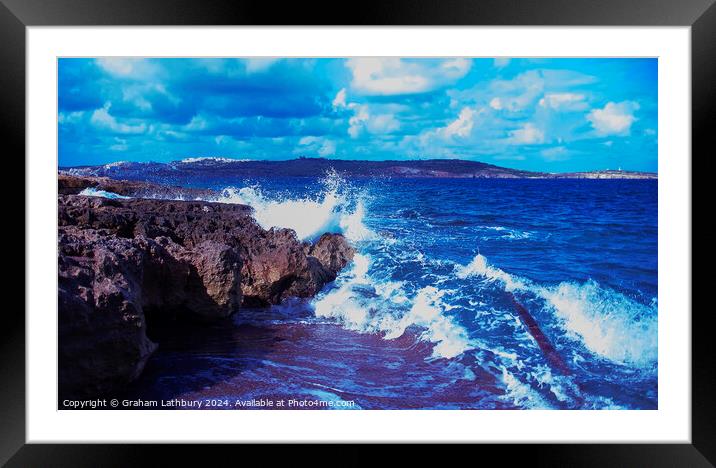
[463,294]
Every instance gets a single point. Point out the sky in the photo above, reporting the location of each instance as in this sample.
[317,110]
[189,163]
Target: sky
[552,115]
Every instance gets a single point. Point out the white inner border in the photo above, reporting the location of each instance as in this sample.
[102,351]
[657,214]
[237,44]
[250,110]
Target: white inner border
[671,422]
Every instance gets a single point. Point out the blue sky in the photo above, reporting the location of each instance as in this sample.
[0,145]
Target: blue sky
[538,114]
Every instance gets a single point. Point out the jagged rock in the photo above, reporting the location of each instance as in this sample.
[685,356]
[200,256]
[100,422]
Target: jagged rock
[332,251]
[102,328]
[276,264]
[123,260]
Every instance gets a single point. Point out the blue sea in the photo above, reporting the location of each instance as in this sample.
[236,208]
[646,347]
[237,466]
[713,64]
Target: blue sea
[464,294]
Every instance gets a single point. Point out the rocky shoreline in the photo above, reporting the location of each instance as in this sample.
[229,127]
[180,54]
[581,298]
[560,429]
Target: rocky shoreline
[124,263]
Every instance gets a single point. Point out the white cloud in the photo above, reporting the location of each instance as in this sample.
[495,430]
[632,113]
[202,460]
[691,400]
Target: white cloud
[564,101]
[126,67]
[320,146]
[382,124]
[327,149]
[363,120]
[456,67]
[308,140]
[136,93]
[527,135]
[357,122]
[385,76]
[256,65]
[197,123]
[501,62]
[101,118]
[526,90]
[462,126]
[517,94]
[69,118]
[614,118]
[340,99]
[390,76]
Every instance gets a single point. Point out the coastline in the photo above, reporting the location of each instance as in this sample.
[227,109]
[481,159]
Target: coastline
[129,264]
[317,167]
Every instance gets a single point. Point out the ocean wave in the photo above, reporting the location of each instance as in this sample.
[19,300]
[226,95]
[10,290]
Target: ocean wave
[520,394]
[502,232]
[608,323]
[368,305]
[605,321]
[93,192]
[365,304]
[336,208]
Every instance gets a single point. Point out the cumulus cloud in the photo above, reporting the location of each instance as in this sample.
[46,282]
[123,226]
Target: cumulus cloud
[458,131]
[364,121]
[548,88]
[501,62]
[382,124]
[126,67]
[340,99]
[496,103]
[327,149]
[312,146]
[395,76]
[456,68]
[462,126]
[102,119]
[564,101]
[70,117]
[518,93]
[613,118]
[357,122]
[257,65]
[528,134]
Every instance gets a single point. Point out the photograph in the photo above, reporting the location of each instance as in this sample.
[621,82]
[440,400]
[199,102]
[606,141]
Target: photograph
[357,233]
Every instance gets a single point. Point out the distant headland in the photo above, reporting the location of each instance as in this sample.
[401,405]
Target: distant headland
[317,167]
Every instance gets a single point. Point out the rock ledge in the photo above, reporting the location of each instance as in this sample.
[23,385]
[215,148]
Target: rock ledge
[122,261]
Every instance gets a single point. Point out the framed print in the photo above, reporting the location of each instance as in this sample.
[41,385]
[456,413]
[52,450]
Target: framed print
[467,223]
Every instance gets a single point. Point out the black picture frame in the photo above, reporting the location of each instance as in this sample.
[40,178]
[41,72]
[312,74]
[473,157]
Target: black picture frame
[700,15]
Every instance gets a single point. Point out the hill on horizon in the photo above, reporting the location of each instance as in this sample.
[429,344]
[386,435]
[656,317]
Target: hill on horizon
[317,167]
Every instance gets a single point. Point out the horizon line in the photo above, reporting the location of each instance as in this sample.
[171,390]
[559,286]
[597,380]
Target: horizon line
[229,159]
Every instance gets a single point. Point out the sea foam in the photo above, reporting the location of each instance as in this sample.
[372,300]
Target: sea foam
[336,208]
[93,192]
[369,305]
[607,322]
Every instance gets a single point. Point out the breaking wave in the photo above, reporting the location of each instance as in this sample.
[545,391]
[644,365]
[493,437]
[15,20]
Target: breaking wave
[337,208]
[93,192]
[365,304]
[608,323]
